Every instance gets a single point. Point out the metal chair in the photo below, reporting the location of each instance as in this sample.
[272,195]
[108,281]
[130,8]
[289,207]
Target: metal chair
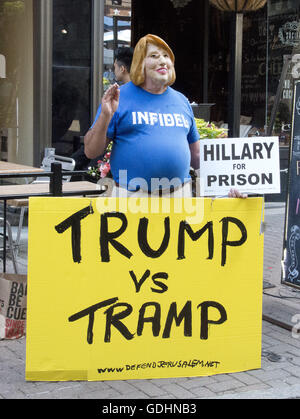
[67,164]
[11,244]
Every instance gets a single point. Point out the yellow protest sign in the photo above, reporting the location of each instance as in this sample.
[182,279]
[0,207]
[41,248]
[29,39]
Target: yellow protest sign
[126,290]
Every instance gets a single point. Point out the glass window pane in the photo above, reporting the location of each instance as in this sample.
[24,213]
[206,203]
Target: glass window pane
[254,72]
[16,81]
[117,33]
[283,64]
[71,97]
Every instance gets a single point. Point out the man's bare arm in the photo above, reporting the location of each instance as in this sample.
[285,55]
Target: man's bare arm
[195,155]
[95,140]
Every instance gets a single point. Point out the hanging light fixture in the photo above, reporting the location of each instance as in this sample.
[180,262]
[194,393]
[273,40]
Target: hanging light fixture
[180,3]
[238,5]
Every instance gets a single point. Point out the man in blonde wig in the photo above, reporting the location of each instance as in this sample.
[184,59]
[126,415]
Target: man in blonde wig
[155,140]
[137,74]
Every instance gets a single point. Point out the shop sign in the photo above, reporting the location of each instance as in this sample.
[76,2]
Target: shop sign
[289,33]
[116,295]
[250,165]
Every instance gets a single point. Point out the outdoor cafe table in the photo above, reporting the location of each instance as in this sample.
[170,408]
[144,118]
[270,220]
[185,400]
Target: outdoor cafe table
[7,167]
[24,191]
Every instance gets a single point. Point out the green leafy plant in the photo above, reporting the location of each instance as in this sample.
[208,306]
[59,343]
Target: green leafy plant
[210,130]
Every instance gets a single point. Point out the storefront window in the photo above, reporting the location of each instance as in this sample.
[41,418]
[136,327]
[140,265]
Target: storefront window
[117,33]
[16,81]
[71,74]
[270,67]
[254,72]
[283,65]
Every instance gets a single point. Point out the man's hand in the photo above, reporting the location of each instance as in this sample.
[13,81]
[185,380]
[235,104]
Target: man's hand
[234,193]
[110,101]
[95,140]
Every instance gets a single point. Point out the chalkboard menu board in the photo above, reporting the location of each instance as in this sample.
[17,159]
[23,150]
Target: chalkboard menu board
[254,67]
[291,270]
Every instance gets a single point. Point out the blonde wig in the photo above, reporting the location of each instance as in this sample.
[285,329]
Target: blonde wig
[137,75]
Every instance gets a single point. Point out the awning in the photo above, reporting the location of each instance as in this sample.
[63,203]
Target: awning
[124,35]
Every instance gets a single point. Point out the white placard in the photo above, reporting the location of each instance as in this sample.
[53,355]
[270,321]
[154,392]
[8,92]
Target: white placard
[249,164]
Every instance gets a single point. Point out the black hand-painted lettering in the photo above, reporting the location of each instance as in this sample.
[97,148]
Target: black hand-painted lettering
[155,319]
[185,227]
[186,314]
[225,222]
[163,287]
[114,317]
[143,241]
[205,322]
[107,237]
[74,221]
[90,311]
[114,320]
[139,283]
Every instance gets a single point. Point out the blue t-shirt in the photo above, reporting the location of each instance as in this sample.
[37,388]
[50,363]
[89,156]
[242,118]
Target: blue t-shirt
[151,135]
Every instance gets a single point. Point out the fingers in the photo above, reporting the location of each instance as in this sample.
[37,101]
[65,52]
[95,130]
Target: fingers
[112,90]
[234,193]
[110,100]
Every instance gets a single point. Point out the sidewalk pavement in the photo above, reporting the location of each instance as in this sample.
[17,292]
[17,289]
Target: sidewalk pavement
[278,378]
